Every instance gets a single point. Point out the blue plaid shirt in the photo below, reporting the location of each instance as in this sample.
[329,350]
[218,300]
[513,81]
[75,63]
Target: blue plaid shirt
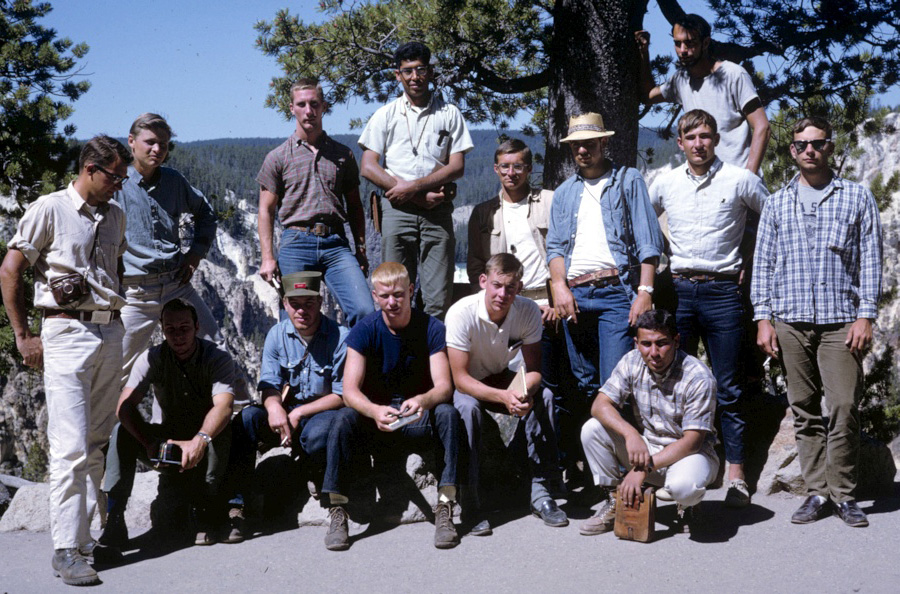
[839,279]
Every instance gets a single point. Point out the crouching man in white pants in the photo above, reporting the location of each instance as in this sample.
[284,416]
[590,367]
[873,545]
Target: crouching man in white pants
[674,398]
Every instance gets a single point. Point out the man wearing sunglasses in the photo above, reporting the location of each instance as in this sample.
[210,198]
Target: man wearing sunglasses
[815,289]
[413,148]
[74,239]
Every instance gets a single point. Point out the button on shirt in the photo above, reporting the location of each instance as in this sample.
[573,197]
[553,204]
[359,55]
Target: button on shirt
[59,235]
[435,131]
[707,217]
[470,329]
[154,208]
[310,184]
[838,282]
[682,399]
[312,370]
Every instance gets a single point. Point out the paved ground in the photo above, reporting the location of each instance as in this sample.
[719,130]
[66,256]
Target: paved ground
[752,550]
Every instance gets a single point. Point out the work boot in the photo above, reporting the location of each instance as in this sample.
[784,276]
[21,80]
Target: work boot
[236,523]
[602,521]
[115,533]
[338,536]
[445,536]
[74,569]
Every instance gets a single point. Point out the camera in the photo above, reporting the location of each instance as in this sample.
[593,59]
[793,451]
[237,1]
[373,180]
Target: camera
[169,455]
[69,288]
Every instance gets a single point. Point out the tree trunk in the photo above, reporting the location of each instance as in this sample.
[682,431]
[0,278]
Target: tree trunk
[594,67]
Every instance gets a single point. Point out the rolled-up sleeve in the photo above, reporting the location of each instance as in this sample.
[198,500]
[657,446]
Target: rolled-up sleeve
[648,237]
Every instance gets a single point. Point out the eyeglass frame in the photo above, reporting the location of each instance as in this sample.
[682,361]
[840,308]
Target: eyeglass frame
[118,179]
[806,143]
[408,72]
[517,167]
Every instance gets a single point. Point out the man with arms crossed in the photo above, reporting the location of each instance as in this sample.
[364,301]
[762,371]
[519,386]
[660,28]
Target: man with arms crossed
[312,183]
[300,382]
[423,141]
[722,88]
[80,233]
[485,333]
[396,370]
[707,203]
[673,395]
[815,291]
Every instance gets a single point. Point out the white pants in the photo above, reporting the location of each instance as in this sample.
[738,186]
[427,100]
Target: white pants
[686,480]
[82,369]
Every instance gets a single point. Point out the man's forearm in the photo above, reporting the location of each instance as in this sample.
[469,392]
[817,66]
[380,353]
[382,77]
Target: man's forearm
[14,301]
[688,444]
[327,402]
[265,223]
[356,216]
[134,423]
[217,418]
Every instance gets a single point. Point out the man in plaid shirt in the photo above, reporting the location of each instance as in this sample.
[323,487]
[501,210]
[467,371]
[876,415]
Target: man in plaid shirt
[815,289]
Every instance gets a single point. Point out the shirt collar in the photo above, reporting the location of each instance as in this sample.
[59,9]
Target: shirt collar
[297,141]
[77,201]
[713,169]
[405,104]
[661,378]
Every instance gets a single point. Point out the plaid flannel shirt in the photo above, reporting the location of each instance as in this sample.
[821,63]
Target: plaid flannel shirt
[839,279]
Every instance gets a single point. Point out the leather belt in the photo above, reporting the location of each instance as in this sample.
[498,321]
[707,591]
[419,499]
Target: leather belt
[597,278]
[94,316]
[535,294]
[317,229]
[699,276]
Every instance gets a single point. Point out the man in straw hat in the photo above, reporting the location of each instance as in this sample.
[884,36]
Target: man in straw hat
[300,381]
[602,247]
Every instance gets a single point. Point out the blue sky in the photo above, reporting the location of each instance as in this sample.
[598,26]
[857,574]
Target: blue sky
[196,63]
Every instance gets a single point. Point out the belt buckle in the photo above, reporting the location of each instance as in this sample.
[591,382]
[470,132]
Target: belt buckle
[320,229]
[100,317]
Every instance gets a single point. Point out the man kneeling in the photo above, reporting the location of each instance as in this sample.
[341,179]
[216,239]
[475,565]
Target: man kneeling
[192,380]
[396,371]
[674,398]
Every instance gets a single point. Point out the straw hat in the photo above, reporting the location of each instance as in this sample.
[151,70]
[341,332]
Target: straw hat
[585,126]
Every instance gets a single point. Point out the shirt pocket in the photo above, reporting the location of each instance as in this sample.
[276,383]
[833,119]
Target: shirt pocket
[841,233]
[320,380]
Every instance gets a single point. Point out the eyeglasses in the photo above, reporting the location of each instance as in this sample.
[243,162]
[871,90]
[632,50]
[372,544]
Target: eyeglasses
[517,167]
[818,144]
[119,179]
[420,70]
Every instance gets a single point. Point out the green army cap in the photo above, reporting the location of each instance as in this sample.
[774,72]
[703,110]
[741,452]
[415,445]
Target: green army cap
[301,284]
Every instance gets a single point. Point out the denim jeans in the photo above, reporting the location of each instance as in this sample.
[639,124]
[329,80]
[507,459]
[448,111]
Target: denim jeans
[712,311]
[252,428]
[351,433]
[301,251]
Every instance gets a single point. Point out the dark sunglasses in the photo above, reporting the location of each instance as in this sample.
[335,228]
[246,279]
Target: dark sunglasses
[818,144]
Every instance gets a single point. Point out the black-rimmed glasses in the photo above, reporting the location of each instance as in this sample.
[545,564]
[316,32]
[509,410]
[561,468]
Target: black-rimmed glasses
[119,179]
[818,144]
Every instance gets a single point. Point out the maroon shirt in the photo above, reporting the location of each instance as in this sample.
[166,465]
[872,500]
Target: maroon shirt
[310,186]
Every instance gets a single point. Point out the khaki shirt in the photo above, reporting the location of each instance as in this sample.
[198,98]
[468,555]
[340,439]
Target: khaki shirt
[58,235]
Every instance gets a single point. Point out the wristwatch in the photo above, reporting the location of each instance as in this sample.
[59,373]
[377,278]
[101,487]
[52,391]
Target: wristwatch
[205,437]
[646,288]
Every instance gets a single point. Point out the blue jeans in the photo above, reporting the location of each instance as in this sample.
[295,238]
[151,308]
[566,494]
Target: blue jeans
[712,311]
[252,428]
[301,251]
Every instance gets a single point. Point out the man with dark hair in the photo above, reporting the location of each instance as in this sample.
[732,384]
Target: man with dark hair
[396,373]
[311,182]
[75,239]
[300,381]
[490,335]
[674,397]
[157,270]
[192,380]
[603,246]
[815,291]
[707,203]
[414,147]
[720,87]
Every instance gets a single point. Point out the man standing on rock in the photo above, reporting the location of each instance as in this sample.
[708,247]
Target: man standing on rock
[423,141]
[486,333]
[397,388]
[311,182]
[815,291]
[707,202]
[192,380]
[155,198]
[720,87]
[300,381]
[75,239]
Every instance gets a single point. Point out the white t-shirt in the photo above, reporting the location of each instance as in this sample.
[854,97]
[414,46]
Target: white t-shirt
[491,347]
[520,243]
[591,251]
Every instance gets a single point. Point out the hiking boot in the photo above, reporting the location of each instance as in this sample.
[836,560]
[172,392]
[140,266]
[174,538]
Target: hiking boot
[235,526]
[115,533]
[445,536]
[338,536]
[688,519]
[74,569]
[738,494]
[603,520]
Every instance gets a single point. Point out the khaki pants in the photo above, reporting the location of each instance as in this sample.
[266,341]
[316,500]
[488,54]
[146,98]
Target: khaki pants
[817,363]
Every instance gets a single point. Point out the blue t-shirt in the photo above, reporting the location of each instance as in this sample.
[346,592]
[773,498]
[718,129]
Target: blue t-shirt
[397,365]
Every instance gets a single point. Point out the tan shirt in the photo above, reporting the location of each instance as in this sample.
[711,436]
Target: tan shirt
[56,235]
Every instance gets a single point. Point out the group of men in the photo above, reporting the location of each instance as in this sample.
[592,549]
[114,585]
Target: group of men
[562,276]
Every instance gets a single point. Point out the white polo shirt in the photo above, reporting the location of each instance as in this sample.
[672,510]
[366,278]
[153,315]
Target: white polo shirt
[470,329]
